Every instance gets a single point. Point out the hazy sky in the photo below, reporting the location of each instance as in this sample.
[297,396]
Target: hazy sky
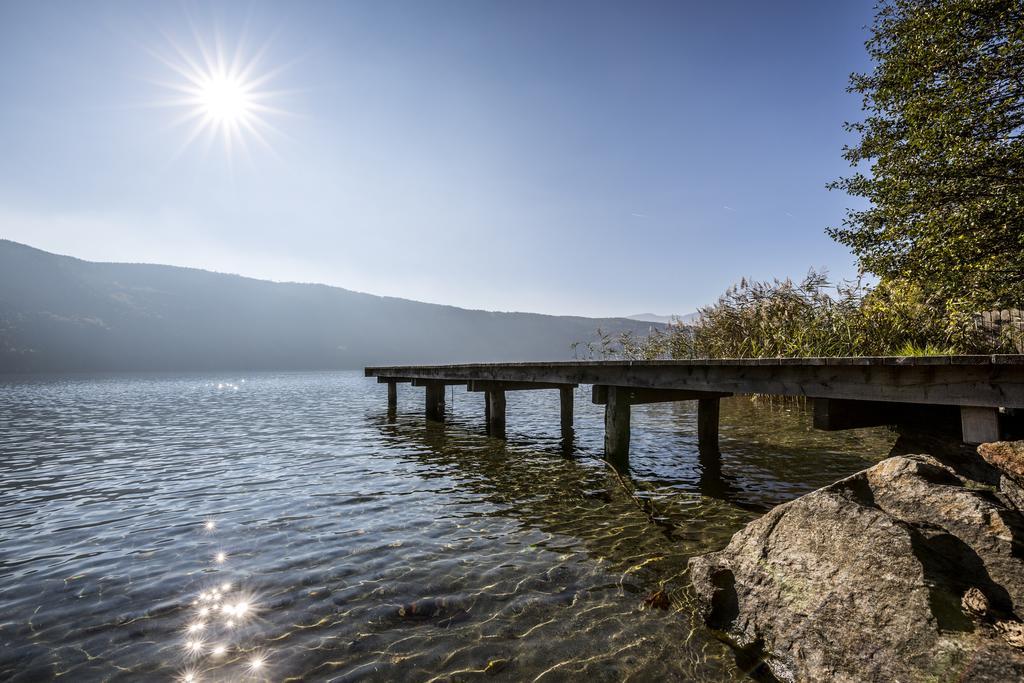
[596,158]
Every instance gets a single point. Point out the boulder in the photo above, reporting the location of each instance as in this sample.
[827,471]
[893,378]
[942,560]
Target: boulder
[1008,458]
[900,572]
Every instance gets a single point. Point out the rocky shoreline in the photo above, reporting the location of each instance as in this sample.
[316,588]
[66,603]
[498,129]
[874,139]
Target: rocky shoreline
[910,570]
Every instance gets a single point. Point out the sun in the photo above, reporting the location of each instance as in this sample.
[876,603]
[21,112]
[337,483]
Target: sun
[225,100]
[223,93]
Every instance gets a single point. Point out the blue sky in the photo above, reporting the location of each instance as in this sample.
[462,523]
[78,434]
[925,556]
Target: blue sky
[593,158]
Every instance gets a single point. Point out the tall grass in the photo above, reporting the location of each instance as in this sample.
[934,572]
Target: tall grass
[810,318]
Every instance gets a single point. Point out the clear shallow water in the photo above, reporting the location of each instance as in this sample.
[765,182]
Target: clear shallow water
[359,545]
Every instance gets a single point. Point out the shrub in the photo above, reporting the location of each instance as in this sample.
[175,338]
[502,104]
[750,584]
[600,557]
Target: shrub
[812,318]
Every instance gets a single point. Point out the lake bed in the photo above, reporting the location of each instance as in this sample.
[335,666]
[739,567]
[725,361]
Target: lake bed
[268,526]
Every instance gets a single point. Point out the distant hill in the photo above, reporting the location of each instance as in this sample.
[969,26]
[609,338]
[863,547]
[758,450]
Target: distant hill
[663,319]
[59,313]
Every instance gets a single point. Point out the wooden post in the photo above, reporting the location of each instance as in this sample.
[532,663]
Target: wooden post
[707,425]
[392,394]
[565,397]
[495,413]
[435,401]
[616,427]
[979,425]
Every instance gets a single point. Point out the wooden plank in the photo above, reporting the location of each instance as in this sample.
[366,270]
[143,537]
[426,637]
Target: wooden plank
[978,381]
[979,425]
[443,382]
[639,396]
[489,385]
[803,361]
[838,414]
[834,415]
[832,361]
[916,360]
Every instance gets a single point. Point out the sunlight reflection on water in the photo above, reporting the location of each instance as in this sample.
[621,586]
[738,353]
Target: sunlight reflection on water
[312,534]
[220,636]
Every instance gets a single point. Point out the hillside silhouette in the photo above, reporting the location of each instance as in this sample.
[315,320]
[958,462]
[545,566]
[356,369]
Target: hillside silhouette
[59,313]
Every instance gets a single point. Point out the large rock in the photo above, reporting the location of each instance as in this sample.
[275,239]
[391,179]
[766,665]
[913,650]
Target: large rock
[1008,458]
[871,579]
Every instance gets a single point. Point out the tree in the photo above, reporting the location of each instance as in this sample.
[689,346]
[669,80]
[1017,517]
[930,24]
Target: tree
[942,134]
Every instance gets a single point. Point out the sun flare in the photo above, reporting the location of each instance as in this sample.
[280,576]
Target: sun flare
[223,94]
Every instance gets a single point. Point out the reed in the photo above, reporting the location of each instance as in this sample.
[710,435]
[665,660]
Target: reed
[811,318]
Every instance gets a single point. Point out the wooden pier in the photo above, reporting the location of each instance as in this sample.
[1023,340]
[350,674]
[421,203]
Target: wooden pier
[846,392]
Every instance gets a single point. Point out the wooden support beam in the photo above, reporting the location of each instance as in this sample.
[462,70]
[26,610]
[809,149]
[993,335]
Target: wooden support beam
[442,382]
[711,482]
[832,414]
[491,385]
[435,401]
[392,394]
[565,395]
[495,413]
[616,427]
[638,396]
[835,414]
[707,426]
[979,425]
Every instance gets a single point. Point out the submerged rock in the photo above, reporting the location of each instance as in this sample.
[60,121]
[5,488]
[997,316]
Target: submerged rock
[658,600]
[897,573]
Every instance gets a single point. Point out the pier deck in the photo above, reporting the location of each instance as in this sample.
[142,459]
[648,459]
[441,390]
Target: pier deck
[846,392]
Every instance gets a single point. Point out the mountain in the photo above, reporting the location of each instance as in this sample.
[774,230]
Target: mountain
[59,313]
[662,319]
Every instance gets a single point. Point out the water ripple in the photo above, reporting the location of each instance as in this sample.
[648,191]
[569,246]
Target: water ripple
[287,527]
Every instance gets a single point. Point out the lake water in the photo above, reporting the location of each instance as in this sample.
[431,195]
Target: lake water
[285,526]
